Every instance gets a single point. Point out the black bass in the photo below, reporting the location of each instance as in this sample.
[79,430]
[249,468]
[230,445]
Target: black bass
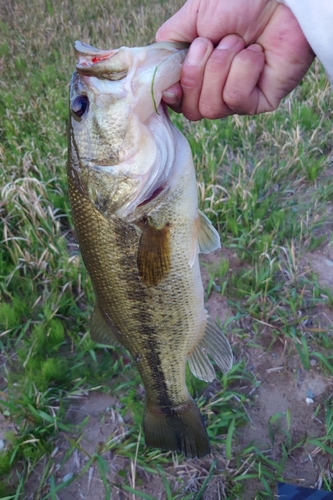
[134,202]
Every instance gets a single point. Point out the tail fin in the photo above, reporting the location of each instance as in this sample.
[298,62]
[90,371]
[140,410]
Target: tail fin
[177,429]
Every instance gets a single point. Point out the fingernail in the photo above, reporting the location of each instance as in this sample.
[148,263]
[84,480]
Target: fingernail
[256,47]
[196,52]
[170,97]
[228,42]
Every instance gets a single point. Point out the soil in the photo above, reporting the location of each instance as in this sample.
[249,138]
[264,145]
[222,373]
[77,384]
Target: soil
[282,385]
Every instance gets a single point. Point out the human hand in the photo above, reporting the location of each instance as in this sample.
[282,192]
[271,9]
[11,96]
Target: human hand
[244,57]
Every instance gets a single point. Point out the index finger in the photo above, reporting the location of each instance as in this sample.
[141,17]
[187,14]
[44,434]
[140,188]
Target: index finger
[182,26]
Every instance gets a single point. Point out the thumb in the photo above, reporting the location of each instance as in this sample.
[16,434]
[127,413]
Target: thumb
[182,26]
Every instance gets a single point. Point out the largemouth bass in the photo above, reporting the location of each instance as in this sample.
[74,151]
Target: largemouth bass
[134,202]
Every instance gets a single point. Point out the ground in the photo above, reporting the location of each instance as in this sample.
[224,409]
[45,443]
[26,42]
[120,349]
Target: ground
[282,387]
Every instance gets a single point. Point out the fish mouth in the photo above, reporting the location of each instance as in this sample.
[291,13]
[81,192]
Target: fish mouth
[155,67]
[115,64]
[96,55]
[125,86]
[107,64]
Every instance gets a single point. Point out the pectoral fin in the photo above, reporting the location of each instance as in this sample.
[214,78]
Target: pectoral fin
[102,332]
[214,344]
[208,237]
[205,237]
[154,254]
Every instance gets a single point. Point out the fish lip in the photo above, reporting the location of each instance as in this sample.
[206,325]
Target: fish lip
[86,49]
[98,62]
[89,71]
[91,61]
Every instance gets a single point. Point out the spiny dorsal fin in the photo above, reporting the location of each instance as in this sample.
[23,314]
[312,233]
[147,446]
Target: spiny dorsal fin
[208,237]
[217,346]
[101,332]
[154,254]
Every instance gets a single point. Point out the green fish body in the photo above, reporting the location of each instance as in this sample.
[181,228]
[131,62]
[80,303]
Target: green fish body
[133,196]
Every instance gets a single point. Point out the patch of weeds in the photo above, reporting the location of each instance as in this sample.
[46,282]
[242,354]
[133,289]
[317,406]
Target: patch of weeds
[325,442]
[226,411]
[218,279]
[132,400]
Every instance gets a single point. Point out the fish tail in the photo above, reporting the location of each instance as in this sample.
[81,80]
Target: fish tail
[177,429]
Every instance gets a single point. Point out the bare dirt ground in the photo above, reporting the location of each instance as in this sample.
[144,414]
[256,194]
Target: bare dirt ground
[283,385]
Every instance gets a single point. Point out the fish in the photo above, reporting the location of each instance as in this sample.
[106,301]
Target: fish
[134,203]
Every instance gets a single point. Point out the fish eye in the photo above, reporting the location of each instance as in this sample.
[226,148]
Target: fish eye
[80,105]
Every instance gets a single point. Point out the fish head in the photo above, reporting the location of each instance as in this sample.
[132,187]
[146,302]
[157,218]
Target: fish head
[115,95]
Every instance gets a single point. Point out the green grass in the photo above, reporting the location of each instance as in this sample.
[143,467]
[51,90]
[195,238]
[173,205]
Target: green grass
[264,182]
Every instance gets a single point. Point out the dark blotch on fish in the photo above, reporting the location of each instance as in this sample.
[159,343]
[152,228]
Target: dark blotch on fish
[154,256]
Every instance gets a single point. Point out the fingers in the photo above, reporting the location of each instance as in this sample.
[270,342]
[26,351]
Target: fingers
[193,69]
[173,97]
[241,93]
[182,26]
[204,75]
[227,79]
[211,104]
[192,76]
[215,83]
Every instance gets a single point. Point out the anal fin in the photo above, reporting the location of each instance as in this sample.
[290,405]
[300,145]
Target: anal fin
[102,332]
[215,344]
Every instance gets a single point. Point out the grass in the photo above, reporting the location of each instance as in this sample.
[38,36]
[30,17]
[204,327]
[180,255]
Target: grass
[265,183]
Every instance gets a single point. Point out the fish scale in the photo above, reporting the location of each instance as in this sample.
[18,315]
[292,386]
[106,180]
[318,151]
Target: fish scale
[141,251]
[119,290]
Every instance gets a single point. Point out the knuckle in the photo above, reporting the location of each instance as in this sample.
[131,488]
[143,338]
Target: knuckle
[207,108]
[193,117]
[191,77]
[210,113]
[237,101]
[191,112]
[210,110]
